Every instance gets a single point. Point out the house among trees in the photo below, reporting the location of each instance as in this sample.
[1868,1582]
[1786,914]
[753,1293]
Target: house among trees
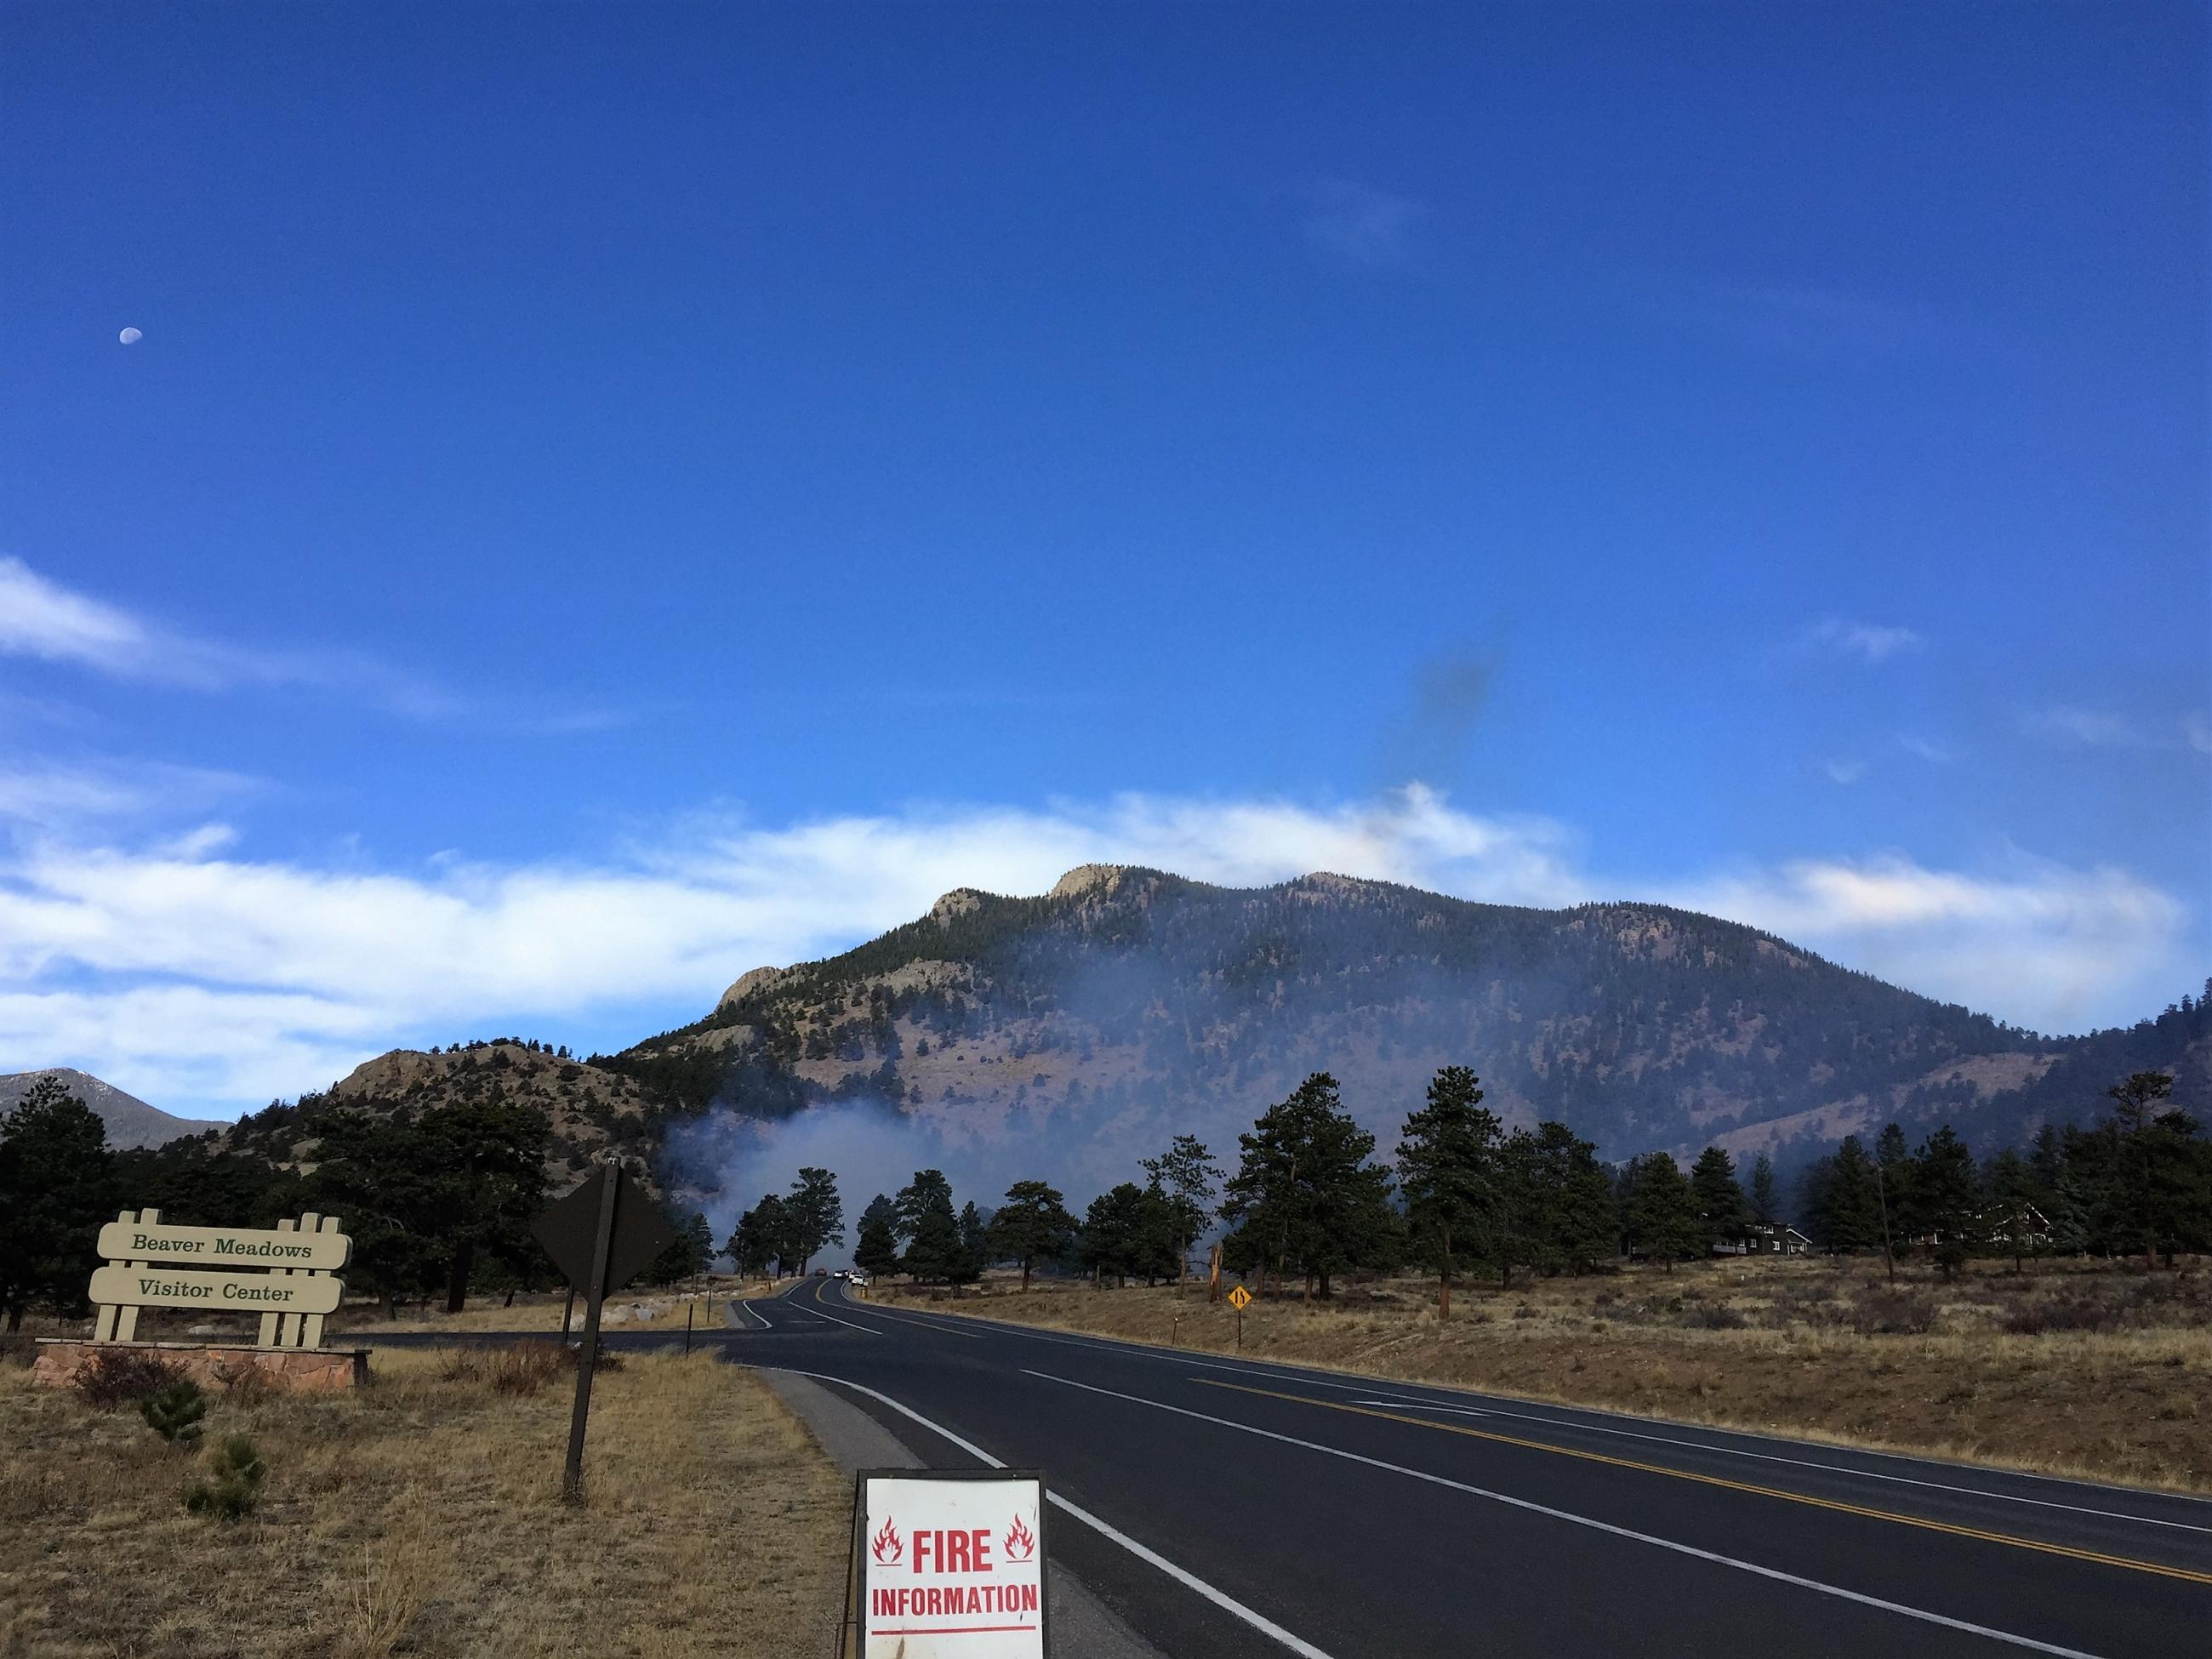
[1766,1239]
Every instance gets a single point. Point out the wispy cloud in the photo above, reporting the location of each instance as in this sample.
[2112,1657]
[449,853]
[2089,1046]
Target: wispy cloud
[1844,771]
[1923,748]
[2086,728]
[41,619]
[1362,224]
[1870,642]
[199,976]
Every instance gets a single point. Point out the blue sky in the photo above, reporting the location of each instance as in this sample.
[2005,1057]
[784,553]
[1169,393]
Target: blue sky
[606,498]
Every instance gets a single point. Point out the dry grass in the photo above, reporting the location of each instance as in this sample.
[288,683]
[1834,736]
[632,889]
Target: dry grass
[422,1515]
[2070,1368]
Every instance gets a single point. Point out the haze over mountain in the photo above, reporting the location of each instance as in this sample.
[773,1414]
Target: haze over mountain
[1087,1026]
[131,1122]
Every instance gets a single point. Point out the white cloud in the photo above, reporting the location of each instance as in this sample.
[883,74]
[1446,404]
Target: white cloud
[2040,943]
[50,795]
[198,977]
[1844,772]
[2196,733]
[1868,641]
[1934,753]
[1360,223]
[41,619]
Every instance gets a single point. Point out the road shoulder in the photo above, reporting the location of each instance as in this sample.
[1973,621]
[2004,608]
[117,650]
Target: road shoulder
[1083,1626]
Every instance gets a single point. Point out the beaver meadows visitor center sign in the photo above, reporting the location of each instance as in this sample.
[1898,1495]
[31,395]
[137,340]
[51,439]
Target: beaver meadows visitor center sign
[286,1276]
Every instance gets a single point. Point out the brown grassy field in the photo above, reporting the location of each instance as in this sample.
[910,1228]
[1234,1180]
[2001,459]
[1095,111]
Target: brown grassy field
[422,1515]
[2067,1368]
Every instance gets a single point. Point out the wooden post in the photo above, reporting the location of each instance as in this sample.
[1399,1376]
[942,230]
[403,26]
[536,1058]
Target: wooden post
[311,1324]
[273,1324]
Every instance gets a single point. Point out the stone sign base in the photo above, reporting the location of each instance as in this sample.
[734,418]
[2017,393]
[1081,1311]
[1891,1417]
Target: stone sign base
[216,1365]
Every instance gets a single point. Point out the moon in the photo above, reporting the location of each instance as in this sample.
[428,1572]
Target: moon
[131,335]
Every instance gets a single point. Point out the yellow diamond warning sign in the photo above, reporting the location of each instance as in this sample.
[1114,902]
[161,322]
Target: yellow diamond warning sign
[1240,1298]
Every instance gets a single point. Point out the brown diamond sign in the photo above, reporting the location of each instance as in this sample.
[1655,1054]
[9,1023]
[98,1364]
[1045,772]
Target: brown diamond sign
[569,1229]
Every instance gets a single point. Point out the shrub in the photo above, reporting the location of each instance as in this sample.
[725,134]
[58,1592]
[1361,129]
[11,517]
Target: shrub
[235,1476]
[174,1414]
[1893,1313]
[1713,1316]
[526,1367]
[123,1376]
[2076,1313]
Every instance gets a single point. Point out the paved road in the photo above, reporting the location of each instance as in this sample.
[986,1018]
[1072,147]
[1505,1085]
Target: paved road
[1359,1519]
[1230,1508]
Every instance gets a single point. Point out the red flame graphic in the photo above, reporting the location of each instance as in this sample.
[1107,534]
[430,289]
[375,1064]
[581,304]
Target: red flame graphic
[1021,1542]
[885,1544]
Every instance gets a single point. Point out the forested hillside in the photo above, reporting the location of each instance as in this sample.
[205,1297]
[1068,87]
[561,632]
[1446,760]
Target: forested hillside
[1134,1000]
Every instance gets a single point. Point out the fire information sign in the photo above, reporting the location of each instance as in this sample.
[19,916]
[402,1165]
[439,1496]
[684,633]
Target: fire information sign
[951,1564]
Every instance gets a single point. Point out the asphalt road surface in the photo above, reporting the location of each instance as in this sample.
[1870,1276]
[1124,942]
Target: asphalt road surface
[1225,1507]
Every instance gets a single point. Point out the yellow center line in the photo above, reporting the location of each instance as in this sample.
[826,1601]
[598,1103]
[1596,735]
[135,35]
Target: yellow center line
[2185,1574]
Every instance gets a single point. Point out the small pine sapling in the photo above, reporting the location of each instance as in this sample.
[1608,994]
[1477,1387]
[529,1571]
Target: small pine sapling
[174,1414]
[232,1489]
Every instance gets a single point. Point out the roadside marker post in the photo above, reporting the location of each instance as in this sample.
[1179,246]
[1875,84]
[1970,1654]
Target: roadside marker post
[600,1236]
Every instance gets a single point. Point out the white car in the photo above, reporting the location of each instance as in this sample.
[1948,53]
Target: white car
[860,1278]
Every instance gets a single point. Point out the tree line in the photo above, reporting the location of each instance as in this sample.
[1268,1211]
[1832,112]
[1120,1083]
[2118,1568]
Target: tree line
[438,1202]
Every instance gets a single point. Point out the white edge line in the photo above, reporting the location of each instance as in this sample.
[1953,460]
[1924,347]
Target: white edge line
[908,1319]
[825,1313]
[1221,1599]
[1381,1397]
[1284,1372]
[1775,1573]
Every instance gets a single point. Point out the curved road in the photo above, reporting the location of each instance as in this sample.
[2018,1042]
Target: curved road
[1247,1509]
[1232,1507]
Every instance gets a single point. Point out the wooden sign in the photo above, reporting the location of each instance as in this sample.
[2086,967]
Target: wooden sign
[117,1285]
[222,1247]
[293,1292]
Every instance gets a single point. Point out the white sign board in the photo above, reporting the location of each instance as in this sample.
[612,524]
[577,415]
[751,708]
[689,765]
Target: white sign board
[952,1564]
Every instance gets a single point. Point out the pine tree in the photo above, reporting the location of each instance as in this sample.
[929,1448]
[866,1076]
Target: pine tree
[1033,1224]
[1187,1176]
[1662,1209]
[1720,1212]
[1306,1190]
[1447,1171]
[175,1412]
[54,1192]
[1765,1199]
[817,1214]
[1948,1198]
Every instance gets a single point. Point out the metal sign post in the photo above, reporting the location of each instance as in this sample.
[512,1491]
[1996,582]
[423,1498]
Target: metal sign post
[1239,1299]
[571,1478]
[600,1236]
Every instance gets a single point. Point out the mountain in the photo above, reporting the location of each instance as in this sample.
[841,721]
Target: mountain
[587,1106]
[1129,1004]
[131,1122]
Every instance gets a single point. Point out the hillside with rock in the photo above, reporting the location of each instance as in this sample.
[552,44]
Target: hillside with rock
[1129,1004]
[588,1106]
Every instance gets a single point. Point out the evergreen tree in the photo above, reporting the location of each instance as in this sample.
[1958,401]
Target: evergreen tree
[55,1192]
[876,1253]
[1033,1224]
[1721,1211]
[1187,1175]
[1948,1199]
[1765,1198]
[975,1232]
[817,1214]
[929,1190]
[936,1252]
[1661,1210]
[1447,1171]
[1306,1191]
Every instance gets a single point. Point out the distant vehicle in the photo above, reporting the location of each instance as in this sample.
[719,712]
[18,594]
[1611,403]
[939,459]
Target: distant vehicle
[822,1273]
[859,1278]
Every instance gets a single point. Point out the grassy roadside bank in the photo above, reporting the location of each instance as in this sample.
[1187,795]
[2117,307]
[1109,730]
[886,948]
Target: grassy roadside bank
[2065,1369]
[422,1515]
